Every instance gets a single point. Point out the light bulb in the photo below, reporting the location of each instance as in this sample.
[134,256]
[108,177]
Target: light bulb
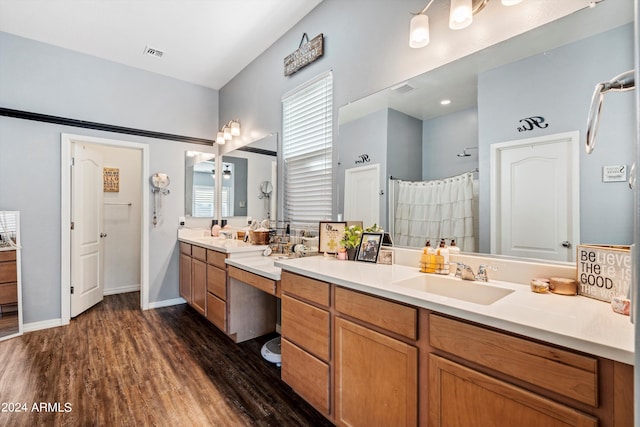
[220,138]
[419,31]
[235,128]
[460,14]
[227,133]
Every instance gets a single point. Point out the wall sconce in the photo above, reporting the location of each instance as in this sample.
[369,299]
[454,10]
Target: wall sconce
[228,131]
[460,16]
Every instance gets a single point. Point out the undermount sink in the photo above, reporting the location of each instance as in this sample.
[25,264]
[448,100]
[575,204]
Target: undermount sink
[475,292]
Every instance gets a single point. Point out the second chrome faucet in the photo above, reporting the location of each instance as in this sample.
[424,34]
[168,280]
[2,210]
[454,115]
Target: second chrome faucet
[464,272]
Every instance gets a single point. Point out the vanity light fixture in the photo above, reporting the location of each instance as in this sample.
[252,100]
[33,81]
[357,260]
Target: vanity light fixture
[228,131]
[460,16]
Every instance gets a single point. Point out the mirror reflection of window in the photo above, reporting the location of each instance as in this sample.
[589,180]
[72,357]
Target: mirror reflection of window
[204,190]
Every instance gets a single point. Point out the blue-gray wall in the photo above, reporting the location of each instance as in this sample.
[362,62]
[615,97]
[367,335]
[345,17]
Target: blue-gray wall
[41,78]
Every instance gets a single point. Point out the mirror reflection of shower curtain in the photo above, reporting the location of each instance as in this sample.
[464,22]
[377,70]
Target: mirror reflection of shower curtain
[434,210]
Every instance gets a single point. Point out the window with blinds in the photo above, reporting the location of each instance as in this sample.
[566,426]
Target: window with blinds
[307,152]
[203,205]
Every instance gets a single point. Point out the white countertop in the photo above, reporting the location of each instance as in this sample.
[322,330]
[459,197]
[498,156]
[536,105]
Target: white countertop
[222,245]
[575,322]
[260,265]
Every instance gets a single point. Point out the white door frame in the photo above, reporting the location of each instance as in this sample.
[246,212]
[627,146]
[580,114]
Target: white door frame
[66,141]
[496,148]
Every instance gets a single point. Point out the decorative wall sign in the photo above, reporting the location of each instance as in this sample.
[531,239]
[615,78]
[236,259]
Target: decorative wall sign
[111,180]
[530,123]
[305,54]
[604,271]
[616,173]
[362,158]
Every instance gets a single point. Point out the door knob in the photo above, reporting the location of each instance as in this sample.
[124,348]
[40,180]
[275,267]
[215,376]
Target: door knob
[103,235]
[566,244]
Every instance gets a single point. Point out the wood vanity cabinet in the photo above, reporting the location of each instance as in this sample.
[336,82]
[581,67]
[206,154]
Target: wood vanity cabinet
[199,279]
[305,343]
[497,378]
[8,278]
[376,361]
[216,289]
[185,271]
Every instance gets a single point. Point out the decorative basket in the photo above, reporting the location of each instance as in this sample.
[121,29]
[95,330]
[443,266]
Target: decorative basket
[259,237]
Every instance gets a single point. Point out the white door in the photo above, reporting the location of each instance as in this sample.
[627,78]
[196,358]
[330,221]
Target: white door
[362,194]
[535,197]
[87,261]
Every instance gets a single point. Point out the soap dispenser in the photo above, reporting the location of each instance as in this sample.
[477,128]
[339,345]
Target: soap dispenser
[442,259]
[215,228]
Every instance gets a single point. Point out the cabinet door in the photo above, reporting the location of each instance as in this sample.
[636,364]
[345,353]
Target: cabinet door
[185,277]
[198,285]
[376,378]
[460,396]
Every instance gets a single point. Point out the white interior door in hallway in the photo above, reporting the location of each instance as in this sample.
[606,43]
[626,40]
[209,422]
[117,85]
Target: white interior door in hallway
[535,197]
[87,233]
[362,194]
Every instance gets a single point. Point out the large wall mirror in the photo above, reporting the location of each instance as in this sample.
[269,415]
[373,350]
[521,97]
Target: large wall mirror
[534,85]
[244,171]
[10,283]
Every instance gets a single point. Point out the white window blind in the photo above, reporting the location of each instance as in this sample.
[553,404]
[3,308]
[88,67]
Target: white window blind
[306,149]
[203,205]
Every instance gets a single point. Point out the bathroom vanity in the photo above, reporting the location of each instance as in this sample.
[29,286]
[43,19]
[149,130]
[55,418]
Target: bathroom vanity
[365,344]
[371,344]
[233,300]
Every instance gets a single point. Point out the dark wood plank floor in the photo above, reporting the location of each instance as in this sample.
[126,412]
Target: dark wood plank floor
[118,366]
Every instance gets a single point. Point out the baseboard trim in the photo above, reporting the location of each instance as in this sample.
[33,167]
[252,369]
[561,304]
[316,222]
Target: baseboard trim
[122,290]
[167,303]
[44,324]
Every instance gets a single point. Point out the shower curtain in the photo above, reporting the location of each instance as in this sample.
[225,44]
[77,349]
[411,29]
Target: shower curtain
[434,210]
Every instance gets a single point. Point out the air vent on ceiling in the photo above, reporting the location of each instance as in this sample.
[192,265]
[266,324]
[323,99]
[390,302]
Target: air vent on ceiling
[402,88]
[153,52]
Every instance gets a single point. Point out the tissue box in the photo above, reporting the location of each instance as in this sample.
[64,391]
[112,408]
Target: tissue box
[604,271]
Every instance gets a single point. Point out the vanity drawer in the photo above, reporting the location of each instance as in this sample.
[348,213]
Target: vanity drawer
[262,283]
[308,376]
[306,325]
[217,281]
[216,258]
[8,293]
[569,374]
[8,272]
[199,253]
[306,288]
[391,316]
[185,248]
[216,311]
[7,256]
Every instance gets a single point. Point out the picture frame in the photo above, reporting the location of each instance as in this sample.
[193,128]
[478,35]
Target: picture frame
[385,256]
[330,234]
[369,247]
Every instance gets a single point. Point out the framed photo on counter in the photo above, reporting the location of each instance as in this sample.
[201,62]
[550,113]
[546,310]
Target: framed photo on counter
[369,247]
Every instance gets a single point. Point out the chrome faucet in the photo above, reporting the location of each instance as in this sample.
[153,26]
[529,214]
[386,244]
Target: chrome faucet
[464,272]
[482,272]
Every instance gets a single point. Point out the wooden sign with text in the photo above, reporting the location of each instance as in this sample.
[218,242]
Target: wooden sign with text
[305,54]
[604,271]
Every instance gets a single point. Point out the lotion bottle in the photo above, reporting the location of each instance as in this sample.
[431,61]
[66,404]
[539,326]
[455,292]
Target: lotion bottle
[442,259]
[215,228]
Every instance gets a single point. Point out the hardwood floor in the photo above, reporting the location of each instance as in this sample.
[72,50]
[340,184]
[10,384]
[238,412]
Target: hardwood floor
[116,365]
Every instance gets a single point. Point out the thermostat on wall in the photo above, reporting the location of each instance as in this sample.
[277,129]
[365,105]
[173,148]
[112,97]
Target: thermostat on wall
[615,173]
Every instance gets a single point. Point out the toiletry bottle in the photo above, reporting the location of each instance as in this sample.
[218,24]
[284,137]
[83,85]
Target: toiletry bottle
[215,228]
[430,266]
[453,250]
[424,261]
[442,259]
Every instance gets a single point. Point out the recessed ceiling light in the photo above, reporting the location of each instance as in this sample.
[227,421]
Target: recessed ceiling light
[445,102]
